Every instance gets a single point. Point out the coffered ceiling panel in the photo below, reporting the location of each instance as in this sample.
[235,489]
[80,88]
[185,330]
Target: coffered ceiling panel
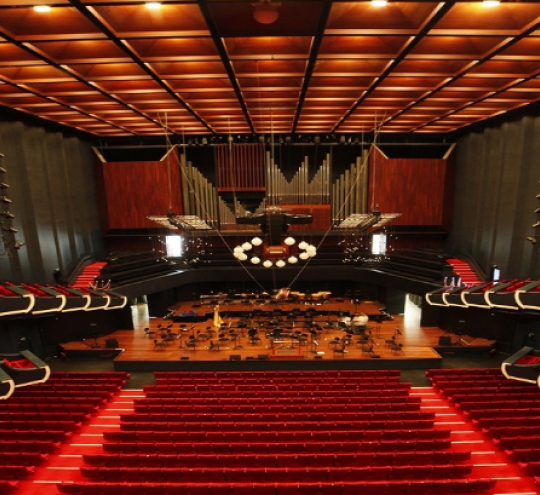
[120,68]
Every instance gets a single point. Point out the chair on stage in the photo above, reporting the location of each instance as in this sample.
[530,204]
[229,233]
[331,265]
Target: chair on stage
[159,344]
[214,346]
[397,349]
[149,333]
[367,349]
[191,343]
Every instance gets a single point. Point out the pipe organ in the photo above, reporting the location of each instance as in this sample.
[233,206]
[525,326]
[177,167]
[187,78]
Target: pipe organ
[300,190]
[350,190]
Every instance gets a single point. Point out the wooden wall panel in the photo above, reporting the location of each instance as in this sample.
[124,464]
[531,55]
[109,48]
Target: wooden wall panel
[414,187]
[135,190]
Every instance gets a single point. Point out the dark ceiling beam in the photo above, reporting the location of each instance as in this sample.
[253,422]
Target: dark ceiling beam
[493,53]
[218,42]
[88,14]
[313,54]
[438,13]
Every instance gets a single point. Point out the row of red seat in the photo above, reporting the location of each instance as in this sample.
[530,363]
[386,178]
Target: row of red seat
[278,460]
[275,474]
[530,468]
[293,387]
[43,416]
[38,425]
[279,373]
[43,406]
[508,419]
[269,380]
[275,448]
[499,403]
[15,472]
[518,411]
[524,455]
[334,399]
[395,410]
[416,487]
[271,436]
[457,392]
[8,486]
[274,414]
[512,431]
[30,446]
[48,435]
[518,442]
[22,458]
[370,393]
[244,426]
[61,394]
[486,381]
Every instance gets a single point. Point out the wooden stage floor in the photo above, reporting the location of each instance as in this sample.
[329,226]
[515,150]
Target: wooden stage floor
[137,351]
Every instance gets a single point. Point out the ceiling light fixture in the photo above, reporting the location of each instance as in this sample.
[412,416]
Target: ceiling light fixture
[42,8]
[491,3]
[378,3]
[153,5]
[265,12]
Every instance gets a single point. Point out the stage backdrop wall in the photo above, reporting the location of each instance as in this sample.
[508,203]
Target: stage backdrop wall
[497,173]
[53,193]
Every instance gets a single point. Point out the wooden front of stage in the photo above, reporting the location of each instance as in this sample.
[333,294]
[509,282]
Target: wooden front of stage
[136,351]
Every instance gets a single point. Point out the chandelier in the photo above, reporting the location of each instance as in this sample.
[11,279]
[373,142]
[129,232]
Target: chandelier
[245,251]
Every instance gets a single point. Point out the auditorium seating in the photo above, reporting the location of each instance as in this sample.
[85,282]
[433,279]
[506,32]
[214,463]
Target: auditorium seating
[507,410]
[278,433]
[37,419]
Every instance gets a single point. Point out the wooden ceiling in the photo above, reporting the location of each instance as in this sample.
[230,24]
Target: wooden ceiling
[118,68]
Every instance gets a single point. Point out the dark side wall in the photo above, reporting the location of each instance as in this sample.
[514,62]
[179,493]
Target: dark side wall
[497,174]
[53,193]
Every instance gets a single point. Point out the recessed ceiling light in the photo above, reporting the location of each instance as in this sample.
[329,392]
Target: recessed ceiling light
[42,8]
[153,5]
[491,3]
[378,3]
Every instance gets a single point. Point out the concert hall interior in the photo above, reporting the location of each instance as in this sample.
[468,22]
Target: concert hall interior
[217,216]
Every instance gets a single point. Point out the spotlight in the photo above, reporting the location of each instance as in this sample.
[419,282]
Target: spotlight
[3,185]
[5,199]
[3,170]
[19,244]
[536,225]
[532,239]
[8,214]
[10,229]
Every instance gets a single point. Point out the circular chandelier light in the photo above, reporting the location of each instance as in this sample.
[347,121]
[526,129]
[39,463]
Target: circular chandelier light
[246,246]
[255,260]
[289,241]
[256,241]
[280,263]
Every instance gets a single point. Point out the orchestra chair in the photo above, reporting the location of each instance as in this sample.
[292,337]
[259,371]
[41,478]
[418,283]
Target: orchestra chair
[159,344]
[191,343]
[367,349]
[149,333]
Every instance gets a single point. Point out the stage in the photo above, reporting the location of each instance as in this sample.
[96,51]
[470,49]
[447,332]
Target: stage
[314,336]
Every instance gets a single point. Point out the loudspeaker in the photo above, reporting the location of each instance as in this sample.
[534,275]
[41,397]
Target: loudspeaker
[111,344]
[375,356]
[250,358]
[185,358]
[317,357]
[235,357]
[262,357]
[445,340]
